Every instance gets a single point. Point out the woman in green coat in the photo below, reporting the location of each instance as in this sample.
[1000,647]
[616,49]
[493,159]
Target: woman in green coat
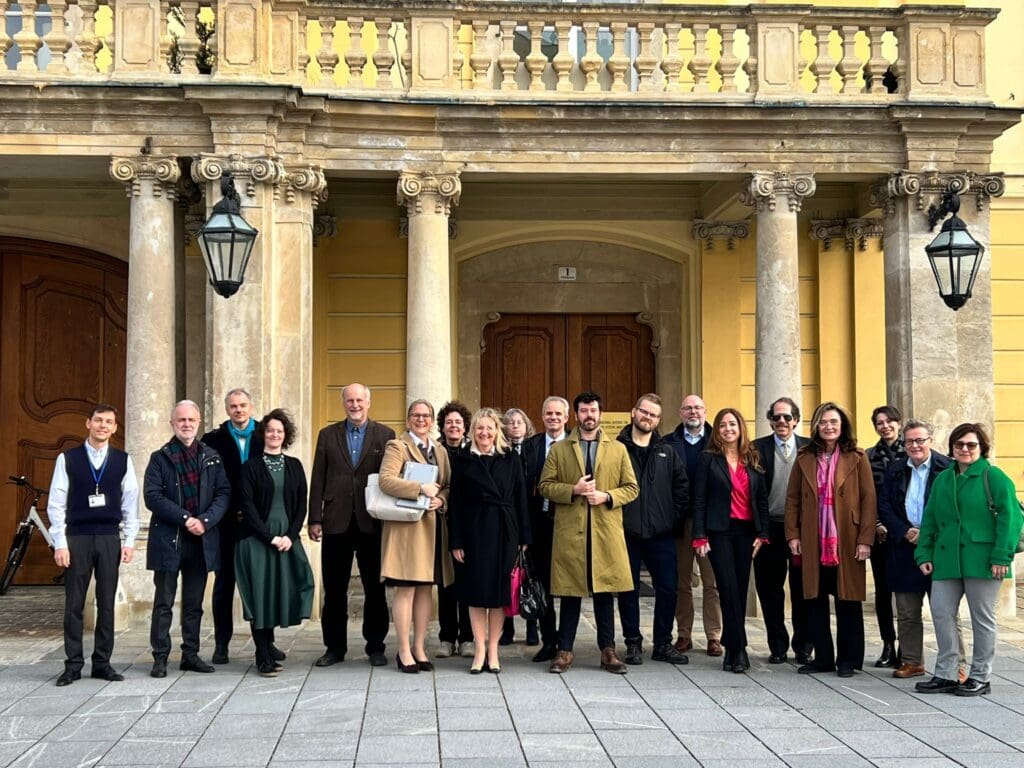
[967,548]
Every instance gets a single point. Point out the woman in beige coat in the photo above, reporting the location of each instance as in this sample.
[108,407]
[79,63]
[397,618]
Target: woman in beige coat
[414,556]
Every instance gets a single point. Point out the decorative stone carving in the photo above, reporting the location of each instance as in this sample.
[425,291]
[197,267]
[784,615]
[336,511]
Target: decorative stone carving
[767,186]
[324,225]
[309,179]
[193,223]
[162,170]
[926,186]
[428,192]
[730,231]
[853,232]
[250,170]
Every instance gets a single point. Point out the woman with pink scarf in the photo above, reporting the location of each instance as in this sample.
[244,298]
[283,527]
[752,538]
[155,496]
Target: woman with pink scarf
[830,527]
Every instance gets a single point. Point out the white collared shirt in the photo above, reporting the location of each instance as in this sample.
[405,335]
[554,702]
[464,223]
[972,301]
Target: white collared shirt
[691,438]
[57,505]
[781,445]
[914,504]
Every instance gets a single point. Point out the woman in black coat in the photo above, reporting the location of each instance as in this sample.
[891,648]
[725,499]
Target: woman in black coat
[730,523]
[275,581]
[489,525]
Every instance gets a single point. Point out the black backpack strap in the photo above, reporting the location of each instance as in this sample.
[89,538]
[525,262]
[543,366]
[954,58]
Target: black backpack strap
[988,492]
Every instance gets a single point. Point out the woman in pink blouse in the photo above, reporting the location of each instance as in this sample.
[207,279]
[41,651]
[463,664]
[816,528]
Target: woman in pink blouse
[730,522]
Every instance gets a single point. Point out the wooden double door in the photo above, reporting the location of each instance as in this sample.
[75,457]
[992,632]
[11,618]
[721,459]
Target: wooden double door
[527,357]
[62,349]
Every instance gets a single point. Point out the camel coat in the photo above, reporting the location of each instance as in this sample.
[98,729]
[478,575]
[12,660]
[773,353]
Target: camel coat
[408,549]
[613,472]
[855,518]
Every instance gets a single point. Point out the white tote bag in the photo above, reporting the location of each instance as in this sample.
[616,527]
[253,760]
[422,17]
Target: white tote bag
[381,506]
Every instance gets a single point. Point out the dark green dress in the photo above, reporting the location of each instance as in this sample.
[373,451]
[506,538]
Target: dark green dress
[276,587]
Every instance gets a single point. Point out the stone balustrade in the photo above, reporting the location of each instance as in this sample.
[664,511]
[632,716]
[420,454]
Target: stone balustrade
[508,51]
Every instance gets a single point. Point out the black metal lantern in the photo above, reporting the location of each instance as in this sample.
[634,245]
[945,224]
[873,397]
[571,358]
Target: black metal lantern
[226,241]
[954,255]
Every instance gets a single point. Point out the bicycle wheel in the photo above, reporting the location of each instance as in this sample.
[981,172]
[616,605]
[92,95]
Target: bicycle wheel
[18,548]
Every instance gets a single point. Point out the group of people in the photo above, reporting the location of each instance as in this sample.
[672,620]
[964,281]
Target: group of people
[585,508]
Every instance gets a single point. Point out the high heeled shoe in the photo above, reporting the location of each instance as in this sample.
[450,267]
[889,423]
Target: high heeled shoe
[409,669]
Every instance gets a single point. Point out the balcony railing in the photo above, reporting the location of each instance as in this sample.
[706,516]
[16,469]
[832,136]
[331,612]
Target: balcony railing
[503,51]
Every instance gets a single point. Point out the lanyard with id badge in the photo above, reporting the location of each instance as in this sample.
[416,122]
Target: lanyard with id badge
[98,499]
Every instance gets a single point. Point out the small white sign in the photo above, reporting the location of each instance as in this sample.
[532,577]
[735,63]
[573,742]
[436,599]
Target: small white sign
[567,274]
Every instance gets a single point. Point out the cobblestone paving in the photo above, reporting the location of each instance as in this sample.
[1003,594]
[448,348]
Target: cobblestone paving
[355,715]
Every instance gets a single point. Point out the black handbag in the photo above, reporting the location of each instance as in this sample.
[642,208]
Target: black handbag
[533,598]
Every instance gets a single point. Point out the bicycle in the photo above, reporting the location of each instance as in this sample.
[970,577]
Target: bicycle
[31,522]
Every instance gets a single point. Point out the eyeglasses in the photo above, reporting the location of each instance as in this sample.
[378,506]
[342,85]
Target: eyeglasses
[787,417]
[965,445]
[830,422]
[692,408]
[917,441]
[420,416]
[648,414]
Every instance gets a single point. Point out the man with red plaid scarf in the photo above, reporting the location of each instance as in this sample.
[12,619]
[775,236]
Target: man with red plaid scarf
[188,492]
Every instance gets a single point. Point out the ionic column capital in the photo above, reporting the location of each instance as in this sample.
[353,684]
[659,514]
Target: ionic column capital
[766,187]
[249,170]
[162,170]
[925,186]
[429,192]
[307,179]
[853,232]
[730,231]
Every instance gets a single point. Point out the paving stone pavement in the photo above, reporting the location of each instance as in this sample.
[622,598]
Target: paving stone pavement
[354,715]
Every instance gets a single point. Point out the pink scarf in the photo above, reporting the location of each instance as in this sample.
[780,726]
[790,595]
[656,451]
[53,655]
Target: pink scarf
[827,531]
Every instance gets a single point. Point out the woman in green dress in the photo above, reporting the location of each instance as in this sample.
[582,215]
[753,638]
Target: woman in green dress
[275,581]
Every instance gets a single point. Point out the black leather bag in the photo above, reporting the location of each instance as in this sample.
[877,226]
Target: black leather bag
[533,598]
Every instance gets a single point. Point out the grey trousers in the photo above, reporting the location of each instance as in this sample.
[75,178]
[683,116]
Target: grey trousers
[910,629]
[981,601]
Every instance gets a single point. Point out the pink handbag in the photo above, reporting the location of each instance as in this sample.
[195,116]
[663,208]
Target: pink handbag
[517,576]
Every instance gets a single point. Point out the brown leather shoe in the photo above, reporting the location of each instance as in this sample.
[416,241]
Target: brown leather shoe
[561,663]
[683,645]
[909,670]
[715,648]
[612,663]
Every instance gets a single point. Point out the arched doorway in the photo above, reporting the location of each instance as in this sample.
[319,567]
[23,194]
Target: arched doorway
[62,348]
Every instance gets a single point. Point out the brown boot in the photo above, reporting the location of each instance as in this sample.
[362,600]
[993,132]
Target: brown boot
[561,663]
[612,663]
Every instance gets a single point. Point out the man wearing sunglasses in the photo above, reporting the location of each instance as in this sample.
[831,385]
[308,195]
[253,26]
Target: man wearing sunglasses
[778,454]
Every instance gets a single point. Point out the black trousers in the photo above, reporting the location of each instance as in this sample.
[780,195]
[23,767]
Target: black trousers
[771,567]
[223,602]
[659,555]
[263,639]
[336,556]
[452,615]
[98,555]
[604,617]
[730,557]
[883,594]
[192,569]
[849,651]
[542,529]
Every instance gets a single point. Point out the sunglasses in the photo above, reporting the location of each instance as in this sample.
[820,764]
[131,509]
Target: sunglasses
[787,417]
[964,445]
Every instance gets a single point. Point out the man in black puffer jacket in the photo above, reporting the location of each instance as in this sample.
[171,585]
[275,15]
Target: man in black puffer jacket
[650,523]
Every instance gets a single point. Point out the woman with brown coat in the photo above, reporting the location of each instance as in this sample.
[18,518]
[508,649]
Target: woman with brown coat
[830,527]
[414,556]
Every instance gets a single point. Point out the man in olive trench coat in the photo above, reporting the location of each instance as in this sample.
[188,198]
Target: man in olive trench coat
[589,478]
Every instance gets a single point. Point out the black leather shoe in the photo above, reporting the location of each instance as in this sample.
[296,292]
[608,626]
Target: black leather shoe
[668,653]
[743,660]
[546,653]
[729,661]
[378,660]
[425,666]
[813,669]
[804,657]
[268,669]
[970,687]
[409,669]
[330,658]
[634,652]
[777,658]
[937,685]
[276,654]
[159,668]
[195,664]
[106,673]
[845,671]
[532,638]
[67,677]
[220,655]
[888,658]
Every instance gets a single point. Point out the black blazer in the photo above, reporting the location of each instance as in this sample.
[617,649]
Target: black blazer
[220,440]
[765,447]
[533,462]
[712,497]
[257,495]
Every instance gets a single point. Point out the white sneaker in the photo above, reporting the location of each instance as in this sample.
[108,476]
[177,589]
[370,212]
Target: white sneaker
[465,649]
[445,650]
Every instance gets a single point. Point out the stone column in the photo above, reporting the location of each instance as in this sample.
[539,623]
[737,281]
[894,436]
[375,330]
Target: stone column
[777,196]
[151,382]
[238,339]
[428,199]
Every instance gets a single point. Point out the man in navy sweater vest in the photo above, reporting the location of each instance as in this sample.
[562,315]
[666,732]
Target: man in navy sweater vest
[93,491]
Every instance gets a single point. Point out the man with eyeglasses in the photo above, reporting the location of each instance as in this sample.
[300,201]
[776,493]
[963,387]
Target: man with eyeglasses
[689,440]
[774,561]
[904,492]
[650,522]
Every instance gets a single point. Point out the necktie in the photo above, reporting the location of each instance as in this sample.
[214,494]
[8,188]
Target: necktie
[786,449]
